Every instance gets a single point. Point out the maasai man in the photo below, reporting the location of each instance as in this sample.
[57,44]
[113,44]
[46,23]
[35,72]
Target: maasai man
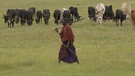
[67,50]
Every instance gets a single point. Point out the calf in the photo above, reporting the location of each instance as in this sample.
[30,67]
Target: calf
[119,16]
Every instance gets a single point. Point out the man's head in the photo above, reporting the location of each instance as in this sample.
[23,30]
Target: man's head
[64,21]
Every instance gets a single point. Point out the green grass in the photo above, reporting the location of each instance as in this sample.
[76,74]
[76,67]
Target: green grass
[103,50]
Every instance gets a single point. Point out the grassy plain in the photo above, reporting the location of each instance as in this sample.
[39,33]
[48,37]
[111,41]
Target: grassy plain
[103,50]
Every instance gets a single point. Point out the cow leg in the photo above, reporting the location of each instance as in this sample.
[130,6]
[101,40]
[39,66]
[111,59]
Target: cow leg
[121,22]
[41,19]
[12,24]
[45,21]
[117,22]
[72,16]
[8,24]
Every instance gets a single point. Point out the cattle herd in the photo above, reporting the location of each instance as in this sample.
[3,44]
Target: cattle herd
[98,14]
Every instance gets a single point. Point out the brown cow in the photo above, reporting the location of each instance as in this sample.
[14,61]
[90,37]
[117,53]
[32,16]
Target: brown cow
[133,17]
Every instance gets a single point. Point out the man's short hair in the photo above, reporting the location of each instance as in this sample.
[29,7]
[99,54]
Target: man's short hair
[65,20]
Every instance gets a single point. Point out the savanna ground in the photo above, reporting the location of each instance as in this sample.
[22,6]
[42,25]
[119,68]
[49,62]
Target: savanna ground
[103,50]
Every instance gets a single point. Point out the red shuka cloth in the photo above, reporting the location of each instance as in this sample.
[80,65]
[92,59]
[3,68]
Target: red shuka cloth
[67,33]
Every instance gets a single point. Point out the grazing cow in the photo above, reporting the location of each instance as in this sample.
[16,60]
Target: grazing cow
[29,17]
[66,14]
[100,10]
[46,16]
[23,16]
[56,15]
[17,15]
[10,17]
[33,10]
[92,13]
[61,14]
[74,13]
[133,17]
[26,17]
[119,16]
[39,16]
[126,9]
[109,14]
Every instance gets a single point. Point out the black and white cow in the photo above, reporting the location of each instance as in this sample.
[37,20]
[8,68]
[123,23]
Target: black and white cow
[92,13]
[119,16]
[46,16]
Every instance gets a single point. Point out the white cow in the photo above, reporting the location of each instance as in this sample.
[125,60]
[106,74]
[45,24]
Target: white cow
[126,9]
[100,10]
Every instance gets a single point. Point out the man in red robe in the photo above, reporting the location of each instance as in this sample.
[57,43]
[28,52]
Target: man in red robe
[67,50]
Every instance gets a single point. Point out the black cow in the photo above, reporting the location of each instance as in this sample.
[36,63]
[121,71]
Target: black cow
[26,17]
[17,15]
[74,13]
[29,17]
[33,10]
[66,14]
[39,16]
[119,16]
[23,16]
[10,17]
[56,15]
[92,13]
[46,16]
[109,14]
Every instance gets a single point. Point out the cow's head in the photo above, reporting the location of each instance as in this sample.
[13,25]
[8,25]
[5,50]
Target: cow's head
[6,18]
[22,21]
[100,8]
[37,20]
[29,22]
